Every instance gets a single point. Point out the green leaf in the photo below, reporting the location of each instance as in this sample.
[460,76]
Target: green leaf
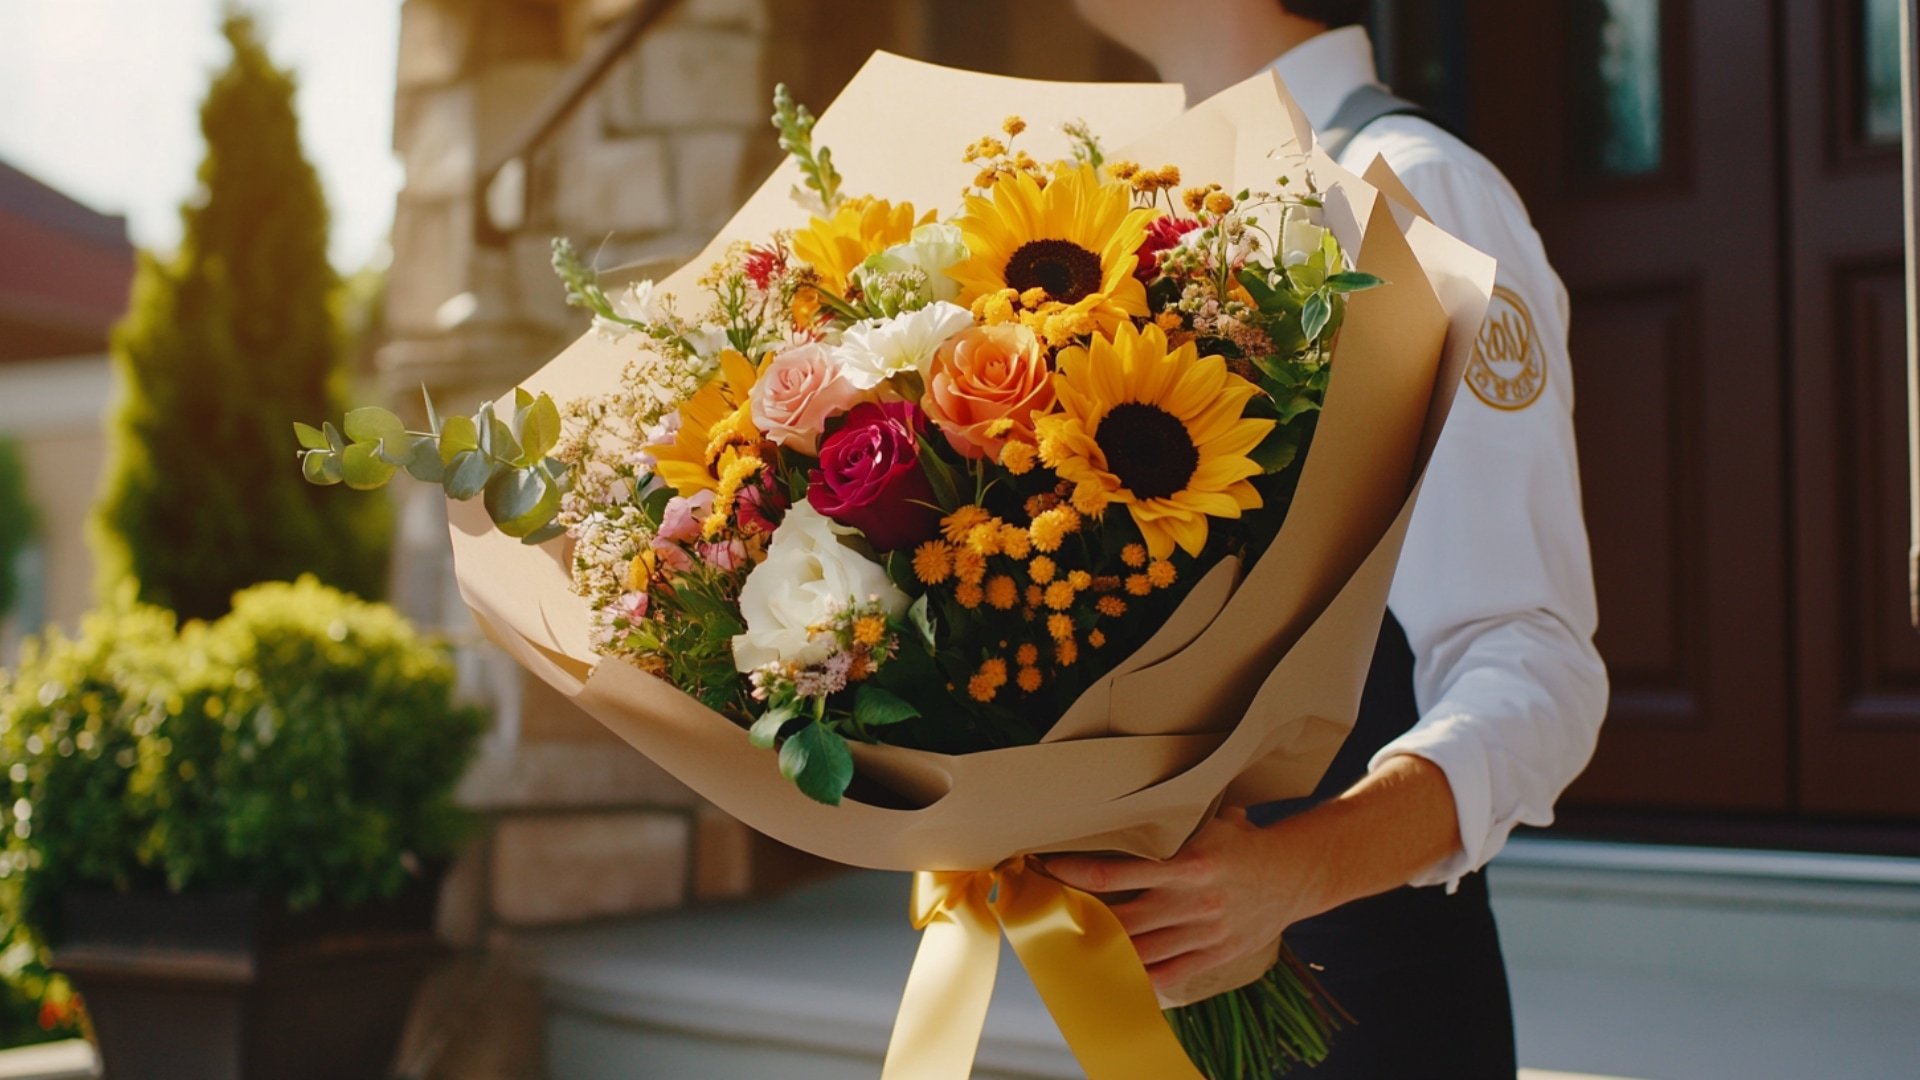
[457,437]
[374,424]
[874,707]
[1352,281]
[540,428]
[433,415]
[946,488]
[766,730]
[920,615]
[498,441]
[818,763]
[1277,451]
[311,438]
[544,533]
[320,467]
[335,441]
[422,460]
[1315,316]
[467,473]
[521,500]
[362,468]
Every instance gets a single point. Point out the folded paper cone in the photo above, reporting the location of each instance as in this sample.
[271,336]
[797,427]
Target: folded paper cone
[1254,682]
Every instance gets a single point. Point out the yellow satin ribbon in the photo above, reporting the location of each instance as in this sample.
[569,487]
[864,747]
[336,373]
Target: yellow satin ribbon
[1072,946]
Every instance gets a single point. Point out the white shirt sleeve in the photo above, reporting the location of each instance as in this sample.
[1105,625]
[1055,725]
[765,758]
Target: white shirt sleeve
[1495,587]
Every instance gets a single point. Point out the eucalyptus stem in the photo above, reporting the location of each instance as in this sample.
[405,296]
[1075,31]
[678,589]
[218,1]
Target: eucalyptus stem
[1264,1029]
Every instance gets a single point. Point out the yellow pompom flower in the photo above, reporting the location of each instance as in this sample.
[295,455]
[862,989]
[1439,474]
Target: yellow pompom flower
[1161,573]
[869,630]
[1051,528]
[1059,626]
[1041,569]
[1030,679]
[985,537]
[969,595]
[1134,555]
[1097,639]
[969,566]
[1139,584]
[1080,580]
[1075,237]
[982,689]
[1059,596]
[1002,593]
[957,525]
[1017,457]
[994,670]
[1035,596]
[933,562]
[1066,652]
[1027,655]
[1160,430]
[716,429]
[1014,542]
[1111,606]
[836,246]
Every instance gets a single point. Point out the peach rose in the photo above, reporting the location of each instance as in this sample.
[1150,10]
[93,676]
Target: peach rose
[984,374]
[800,390]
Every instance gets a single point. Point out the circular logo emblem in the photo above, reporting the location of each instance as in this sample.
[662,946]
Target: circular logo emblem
[1507,371]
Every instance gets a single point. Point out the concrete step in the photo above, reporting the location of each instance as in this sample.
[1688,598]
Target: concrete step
[1670,966]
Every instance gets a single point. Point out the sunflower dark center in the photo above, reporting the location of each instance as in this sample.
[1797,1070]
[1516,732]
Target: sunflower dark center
[1148,448]
[1066,270]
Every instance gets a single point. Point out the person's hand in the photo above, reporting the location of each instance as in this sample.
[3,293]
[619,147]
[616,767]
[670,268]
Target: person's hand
[1227,895]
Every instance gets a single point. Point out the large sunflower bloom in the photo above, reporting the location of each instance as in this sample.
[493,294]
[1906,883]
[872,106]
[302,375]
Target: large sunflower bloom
[1076,238]
[836,246]
[1161,432]
[716,429]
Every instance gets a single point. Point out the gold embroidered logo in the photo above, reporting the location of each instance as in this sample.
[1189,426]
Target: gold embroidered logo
[1508,370]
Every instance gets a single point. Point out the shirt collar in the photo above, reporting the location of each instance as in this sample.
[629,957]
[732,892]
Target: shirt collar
[1323,70]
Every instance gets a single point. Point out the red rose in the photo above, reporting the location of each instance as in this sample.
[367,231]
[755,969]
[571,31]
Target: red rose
[869,476]
[1164,232]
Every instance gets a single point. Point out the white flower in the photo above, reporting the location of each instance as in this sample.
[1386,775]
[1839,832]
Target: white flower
[873,351]
[1300,240]
[932,250]
[808,576]
[641,301]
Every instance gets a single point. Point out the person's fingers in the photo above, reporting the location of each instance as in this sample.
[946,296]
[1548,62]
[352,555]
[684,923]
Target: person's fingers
[1154,909]
[1097,875]
[1160,946]
[1171,975]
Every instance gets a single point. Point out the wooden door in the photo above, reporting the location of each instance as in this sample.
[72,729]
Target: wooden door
[1644,137]
[1857,745]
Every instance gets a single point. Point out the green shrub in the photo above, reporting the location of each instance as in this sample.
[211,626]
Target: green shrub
[17,523]
[224,346]
[305,745]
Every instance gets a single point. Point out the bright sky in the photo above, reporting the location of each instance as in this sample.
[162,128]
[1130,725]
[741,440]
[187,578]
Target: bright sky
[100,99]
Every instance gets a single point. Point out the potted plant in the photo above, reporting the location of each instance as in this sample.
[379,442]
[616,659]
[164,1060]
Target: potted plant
[227,833]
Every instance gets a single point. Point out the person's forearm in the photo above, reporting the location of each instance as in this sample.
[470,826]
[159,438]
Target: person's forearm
[1397,821]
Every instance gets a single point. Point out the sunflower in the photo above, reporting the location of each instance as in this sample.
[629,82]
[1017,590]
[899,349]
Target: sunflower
[716,429]
[836,246]
[1160,431]
[1075,239]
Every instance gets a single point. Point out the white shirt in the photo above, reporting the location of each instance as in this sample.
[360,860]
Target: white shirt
[1495,587]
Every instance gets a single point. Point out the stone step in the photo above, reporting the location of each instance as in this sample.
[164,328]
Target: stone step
[73,1059]
[1669,967]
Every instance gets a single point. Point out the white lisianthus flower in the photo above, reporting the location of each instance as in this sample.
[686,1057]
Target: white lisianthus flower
[807,577]
[933,248]
[641,301]
[875,350]
[1300,240]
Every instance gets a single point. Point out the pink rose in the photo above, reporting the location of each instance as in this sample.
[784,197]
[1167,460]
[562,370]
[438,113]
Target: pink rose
[798,392]
[984,374]
[869,476]
[758,509]
[683,517]
[722,554]
[673,558]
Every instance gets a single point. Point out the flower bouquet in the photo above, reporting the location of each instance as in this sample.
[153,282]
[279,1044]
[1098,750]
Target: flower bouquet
[1036,498]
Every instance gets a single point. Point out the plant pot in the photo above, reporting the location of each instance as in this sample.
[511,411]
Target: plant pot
[232,986]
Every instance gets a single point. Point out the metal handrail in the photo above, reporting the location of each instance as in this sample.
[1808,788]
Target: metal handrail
[559,105]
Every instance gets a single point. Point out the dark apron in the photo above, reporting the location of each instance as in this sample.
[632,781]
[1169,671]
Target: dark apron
[1419,970]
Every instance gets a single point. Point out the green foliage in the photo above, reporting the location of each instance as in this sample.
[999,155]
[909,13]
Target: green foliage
[17,523]
[305,745]
[795,124]
[225,344]
[506,460]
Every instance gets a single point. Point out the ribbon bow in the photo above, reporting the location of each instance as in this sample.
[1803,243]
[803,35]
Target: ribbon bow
[1072,946]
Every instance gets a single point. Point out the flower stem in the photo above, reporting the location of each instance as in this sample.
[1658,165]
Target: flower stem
[1264,1029]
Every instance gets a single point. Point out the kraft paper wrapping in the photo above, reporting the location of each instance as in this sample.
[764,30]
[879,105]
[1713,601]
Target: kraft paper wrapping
[1253,684]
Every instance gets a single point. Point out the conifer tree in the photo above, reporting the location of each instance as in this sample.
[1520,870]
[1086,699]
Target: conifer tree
[227,343]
